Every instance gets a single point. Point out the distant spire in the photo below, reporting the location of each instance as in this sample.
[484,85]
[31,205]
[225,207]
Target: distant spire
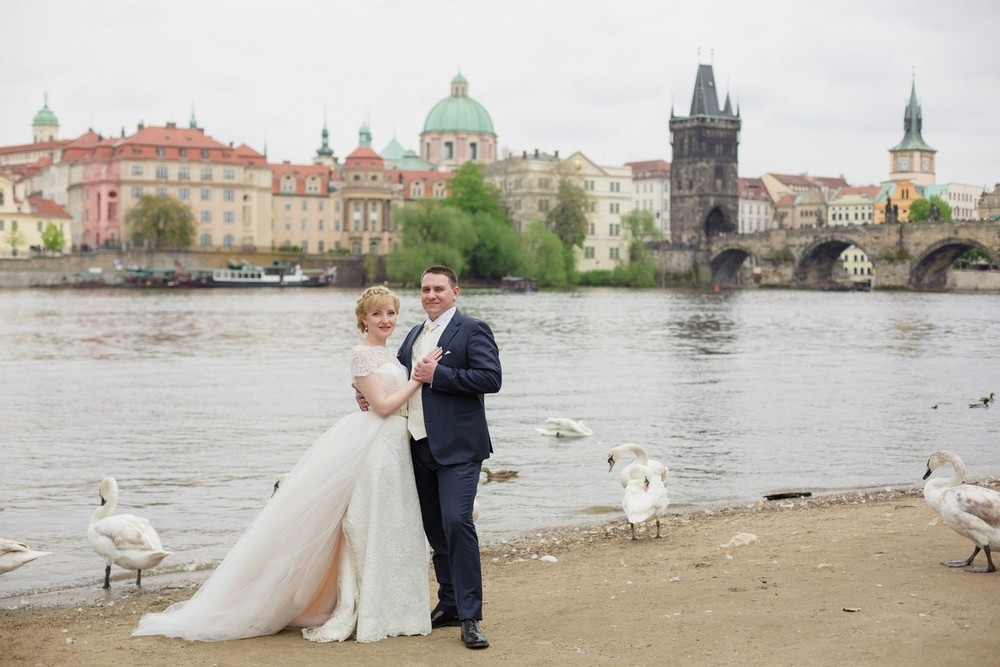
[193,123]
[325,150]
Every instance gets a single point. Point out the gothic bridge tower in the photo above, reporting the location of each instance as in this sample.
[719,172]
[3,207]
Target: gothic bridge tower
[704,179]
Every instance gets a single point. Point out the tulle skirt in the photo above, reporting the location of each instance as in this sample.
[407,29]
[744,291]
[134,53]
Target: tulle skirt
[337,550]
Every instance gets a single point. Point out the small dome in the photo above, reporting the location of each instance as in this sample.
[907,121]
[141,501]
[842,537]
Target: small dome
[458,112]
[45,117]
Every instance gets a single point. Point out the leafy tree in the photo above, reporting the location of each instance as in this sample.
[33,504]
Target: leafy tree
[499,249]
[15,239]
[546,257]
[920,210]
[53,238]
[469,191]
[641,268]
[568,218]
[430,233]
[161,222]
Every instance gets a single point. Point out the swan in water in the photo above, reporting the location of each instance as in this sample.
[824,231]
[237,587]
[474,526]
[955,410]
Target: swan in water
[564,427]
[15,554]
[645,497]
[641,458]
[126,540]
[971,511]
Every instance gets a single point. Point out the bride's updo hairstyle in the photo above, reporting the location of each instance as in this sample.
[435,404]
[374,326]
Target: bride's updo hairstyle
[372,298]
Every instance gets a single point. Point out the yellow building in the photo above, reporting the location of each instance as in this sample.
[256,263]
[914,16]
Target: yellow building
[23,220]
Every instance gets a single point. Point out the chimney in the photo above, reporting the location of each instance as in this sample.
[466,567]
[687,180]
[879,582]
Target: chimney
[524,155]
[142,126]
[557,155]
[171,126]
[536,152]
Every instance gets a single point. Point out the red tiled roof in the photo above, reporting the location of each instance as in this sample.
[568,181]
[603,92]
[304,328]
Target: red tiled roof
[40,146]
[175,143]
[47,208]
[299,172]
[650,169]
[364,156]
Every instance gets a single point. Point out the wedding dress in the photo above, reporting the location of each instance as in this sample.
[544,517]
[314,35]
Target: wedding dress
[339,550]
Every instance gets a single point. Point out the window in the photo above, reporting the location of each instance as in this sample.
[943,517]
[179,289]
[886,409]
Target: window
[614,253]
[305,246]
[543,204]
[615,207]
[287,184]
[161,171]
[206,194]
[183,152]
[136,191]
[321,247]
[305,204]
[137,170]
[204,153]
[159,152]
[161,191]
[543,183]
[183,173]
[206,173]
[229,195]
[206,240]
[356,248]
[39,225]
[588,252]
[312,185]
[184,194]
[228,217]
[320,226]
[449,150]
[206,217]
[229,174]
[288,225]
[473,151]
[305,225]
[616,186]
[373,248]
[229,240]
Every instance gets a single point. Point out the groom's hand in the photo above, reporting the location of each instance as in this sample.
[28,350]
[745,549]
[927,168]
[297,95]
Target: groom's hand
[360,398]
[424,370]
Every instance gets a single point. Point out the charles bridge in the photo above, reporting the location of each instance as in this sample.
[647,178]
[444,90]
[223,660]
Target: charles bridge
[913,256]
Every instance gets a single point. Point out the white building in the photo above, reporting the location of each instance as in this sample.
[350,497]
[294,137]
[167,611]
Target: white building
[651,191]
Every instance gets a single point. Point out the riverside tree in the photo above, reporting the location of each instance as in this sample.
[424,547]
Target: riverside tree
[920,210]
[161,222]
[53,238]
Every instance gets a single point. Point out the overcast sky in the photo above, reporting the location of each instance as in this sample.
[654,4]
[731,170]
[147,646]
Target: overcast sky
[821,87]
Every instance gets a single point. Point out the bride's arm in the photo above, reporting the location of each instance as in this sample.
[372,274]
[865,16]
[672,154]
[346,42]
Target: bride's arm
[386,404]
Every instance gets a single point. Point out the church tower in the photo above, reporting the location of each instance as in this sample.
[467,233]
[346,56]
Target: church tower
[45,125]
[912,159]
[704,178]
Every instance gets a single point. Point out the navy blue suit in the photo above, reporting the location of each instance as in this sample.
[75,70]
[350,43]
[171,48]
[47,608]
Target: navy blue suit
[447,464]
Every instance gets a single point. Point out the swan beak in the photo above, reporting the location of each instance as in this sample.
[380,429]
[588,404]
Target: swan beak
[645,484]
[928,473]
[611,463]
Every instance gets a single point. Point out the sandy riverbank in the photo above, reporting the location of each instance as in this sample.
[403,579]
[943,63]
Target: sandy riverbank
[849,579]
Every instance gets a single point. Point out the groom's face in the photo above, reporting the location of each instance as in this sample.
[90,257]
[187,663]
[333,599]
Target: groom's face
[436,294]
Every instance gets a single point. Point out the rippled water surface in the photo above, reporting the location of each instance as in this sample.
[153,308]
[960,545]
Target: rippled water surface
[195,400]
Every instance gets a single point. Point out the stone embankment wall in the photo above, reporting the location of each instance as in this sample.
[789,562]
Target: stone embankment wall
[45,271]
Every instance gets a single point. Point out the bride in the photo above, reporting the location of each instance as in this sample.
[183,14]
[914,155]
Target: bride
[339,550]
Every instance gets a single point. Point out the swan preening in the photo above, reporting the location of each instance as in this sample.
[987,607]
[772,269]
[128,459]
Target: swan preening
[645,497]
[15,554]
[641,458]
[125,540]
[564,427]
[971,511]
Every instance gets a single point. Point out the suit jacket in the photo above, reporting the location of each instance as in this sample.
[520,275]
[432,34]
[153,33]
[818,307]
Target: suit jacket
[454,409]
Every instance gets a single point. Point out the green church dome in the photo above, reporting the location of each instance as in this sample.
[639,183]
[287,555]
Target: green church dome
[458,112]
[45,116]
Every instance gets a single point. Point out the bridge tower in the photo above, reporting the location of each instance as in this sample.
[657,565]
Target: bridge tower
[912,159]
[704,179]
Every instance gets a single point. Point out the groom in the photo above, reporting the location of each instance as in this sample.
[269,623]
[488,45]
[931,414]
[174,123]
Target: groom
[449,440]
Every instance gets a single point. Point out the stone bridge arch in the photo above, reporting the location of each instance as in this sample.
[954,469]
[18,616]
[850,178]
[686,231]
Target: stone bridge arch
[819,262]
[725,265]
[929,271]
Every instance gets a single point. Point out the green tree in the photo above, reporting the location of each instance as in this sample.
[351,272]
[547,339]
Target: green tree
[161,222]
[499,248]
[641,268]
[15,239]
[568,218]
[545,257]
[53,238]
[430,233]
[920,210]
[469,191]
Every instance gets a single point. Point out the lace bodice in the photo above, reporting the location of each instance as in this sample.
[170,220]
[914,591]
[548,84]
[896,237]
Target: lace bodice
[370,359]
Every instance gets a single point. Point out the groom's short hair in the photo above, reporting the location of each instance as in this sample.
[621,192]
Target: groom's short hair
[443,271]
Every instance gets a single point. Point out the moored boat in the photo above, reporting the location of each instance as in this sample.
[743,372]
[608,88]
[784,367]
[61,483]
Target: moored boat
[241,274]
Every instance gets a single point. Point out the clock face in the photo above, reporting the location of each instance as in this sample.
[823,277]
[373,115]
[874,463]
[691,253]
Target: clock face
[904,163]
[926,163]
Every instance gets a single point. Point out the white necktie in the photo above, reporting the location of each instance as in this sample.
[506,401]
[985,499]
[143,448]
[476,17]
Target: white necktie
[415,418]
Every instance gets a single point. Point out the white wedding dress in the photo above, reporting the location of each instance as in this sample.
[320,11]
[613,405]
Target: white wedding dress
[339,550]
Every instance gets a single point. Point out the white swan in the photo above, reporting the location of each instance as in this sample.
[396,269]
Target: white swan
[645,497]
[126,540]
[641,458]
[564,427]
[15,554]
[971,511]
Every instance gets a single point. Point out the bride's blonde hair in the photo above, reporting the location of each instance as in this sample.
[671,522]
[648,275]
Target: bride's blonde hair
[370,299]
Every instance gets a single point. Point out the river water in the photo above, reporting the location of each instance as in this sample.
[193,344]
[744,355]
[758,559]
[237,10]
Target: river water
[196,400]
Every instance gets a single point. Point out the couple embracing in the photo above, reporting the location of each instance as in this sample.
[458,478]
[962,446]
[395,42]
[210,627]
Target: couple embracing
[339,550]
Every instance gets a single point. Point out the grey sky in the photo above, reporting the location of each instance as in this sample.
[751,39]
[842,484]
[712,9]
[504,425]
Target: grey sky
[821,87]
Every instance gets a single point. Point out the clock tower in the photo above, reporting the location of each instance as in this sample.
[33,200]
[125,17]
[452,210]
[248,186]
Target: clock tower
[912,159]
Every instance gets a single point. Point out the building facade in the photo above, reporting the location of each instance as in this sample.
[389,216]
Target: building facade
[704,180]
[755,213]
[23,219]
[651,187]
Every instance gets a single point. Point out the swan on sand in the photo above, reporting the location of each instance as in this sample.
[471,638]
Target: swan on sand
[645,497]
[564,427]
[641,458]
[971,511]
[15,554]
[125,540]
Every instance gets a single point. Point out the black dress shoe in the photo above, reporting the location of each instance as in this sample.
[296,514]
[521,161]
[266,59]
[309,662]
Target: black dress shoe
[444,618]
[472,636]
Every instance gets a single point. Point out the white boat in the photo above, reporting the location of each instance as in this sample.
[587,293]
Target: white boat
[242,274]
